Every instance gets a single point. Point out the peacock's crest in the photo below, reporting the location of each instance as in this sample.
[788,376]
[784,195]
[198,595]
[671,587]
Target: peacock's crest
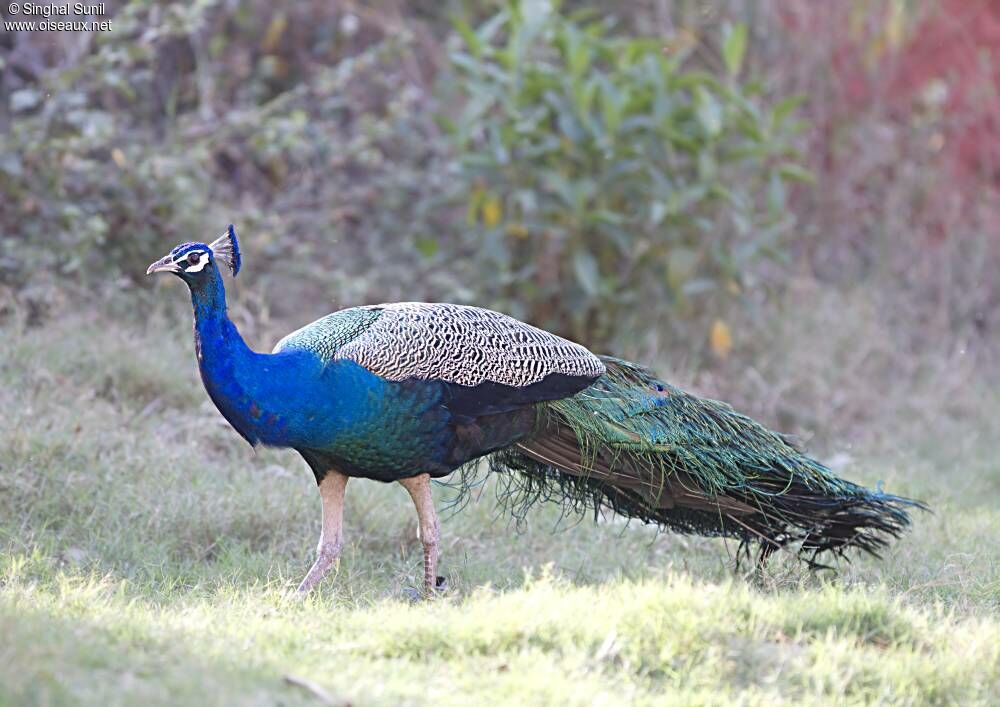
[226,248]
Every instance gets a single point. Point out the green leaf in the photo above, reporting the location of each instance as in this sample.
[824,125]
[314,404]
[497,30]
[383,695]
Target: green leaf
[488,30]
[709,111]
[465,62]
[470,38]
[657,212]
[611,105]
[588,275]
[734,47]
[11,165]
[446,124]
[24,100]
[776,195]
[698,286]
[682,262]
[578,54]
[784,108]
[796,173]
[426,246]
[607,216]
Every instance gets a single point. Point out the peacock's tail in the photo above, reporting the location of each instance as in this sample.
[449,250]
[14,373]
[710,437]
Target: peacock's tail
[650,451]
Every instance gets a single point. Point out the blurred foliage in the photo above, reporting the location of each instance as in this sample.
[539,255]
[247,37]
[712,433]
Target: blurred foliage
[189,116]
[595,172]
[619,173]
[85,195]
[599,174]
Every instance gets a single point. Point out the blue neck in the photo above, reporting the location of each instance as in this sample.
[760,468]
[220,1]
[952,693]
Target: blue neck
[226,363]
[216,337]
[208,297]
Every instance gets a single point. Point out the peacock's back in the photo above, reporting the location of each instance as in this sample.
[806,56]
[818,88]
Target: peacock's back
[452,343]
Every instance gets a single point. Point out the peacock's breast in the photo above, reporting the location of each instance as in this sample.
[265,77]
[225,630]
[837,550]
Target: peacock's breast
[382,429]
[366,425]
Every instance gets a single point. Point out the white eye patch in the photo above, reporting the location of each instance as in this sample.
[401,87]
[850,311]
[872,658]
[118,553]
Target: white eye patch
[197,267]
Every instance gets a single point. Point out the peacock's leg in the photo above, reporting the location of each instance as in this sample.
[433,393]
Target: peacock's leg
[331,539]
[420,491]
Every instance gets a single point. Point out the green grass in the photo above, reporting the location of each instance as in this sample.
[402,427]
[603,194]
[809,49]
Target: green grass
[148,555]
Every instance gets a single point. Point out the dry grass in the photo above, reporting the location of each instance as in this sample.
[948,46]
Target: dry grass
[147,554]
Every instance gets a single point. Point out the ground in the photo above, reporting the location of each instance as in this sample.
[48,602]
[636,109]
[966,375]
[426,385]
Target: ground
[148,554]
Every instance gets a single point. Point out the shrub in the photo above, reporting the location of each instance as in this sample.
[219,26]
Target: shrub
[601,174]
[156,135]
[91,188]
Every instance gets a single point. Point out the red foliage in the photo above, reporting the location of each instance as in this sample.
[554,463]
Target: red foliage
[956,44]
[932,80]
[959,44]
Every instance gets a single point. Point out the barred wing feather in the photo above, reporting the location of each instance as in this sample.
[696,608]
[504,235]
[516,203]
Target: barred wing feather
[468,346]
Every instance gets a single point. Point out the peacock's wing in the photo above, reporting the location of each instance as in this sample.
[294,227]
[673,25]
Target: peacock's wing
[489,361]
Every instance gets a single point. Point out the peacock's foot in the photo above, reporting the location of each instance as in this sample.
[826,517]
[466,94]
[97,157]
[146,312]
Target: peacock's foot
[327,559]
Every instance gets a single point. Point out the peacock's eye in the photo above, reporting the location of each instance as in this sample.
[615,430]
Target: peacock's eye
[193,258]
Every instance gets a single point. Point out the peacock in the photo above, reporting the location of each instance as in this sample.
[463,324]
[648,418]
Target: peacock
[410,391]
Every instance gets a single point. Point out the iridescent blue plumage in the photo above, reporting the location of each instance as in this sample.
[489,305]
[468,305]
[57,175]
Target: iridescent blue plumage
[377,428]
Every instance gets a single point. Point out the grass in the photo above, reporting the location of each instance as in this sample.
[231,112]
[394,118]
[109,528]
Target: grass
[148,555]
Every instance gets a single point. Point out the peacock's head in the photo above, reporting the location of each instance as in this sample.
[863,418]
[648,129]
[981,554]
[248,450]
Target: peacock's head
[196,262]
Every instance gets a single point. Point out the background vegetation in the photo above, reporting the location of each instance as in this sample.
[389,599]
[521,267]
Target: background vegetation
[789,205]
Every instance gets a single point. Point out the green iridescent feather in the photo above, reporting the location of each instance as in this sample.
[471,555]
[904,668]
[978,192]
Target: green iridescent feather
[647,450]
[327,335]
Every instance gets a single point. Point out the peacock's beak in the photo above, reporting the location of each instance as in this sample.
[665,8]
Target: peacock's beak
[164,264]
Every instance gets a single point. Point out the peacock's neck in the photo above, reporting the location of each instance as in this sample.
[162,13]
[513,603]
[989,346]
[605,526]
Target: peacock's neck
[216,336]
[209,301]
[227,365]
